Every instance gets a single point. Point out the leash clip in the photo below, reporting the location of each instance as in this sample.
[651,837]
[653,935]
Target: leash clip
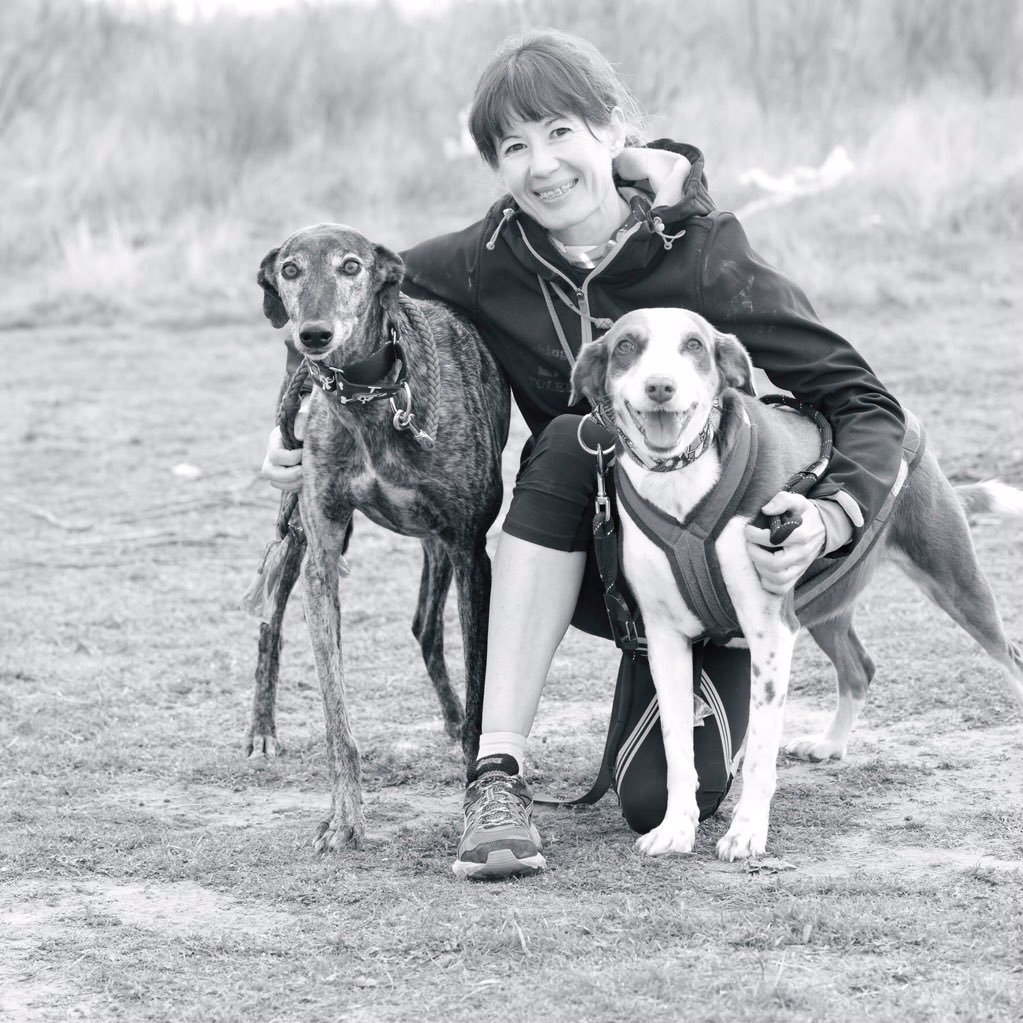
[404,419]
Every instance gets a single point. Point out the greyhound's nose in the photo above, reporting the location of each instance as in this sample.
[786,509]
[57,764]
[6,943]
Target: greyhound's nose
[660,389]
[315,333]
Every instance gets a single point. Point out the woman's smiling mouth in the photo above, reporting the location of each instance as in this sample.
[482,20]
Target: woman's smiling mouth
[550,194]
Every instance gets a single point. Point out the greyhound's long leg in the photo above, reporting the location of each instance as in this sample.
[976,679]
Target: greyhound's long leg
[261,740]
[428,628]
[472,577]
[855,670]
[346,824]
[941,560]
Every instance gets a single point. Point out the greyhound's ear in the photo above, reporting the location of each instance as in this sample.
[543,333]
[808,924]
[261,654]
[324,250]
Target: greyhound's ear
[273,307]
[390,272]
[734,364]
[590,372]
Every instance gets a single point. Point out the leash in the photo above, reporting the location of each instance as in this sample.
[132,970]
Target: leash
[802,482]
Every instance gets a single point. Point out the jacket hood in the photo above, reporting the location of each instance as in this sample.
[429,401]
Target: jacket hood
[656,225]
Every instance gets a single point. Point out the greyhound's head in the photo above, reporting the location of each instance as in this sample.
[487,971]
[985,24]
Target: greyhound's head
[329,281]
[663,370]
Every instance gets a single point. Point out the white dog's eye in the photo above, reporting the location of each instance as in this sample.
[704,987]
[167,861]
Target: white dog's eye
[350,267]
[290,270]
[692,344]
[625,346]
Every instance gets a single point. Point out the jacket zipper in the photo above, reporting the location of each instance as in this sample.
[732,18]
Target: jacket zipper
[580,291]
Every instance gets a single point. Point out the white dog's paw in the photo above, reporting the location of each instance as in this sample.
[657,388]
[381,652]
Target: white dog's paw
[668,838]
[743,839]
[815,747]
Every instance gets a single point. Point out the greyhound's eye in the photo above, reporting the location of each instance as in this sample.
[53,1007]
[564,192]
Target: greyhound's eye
[290,270]
[692,344]
[350,267]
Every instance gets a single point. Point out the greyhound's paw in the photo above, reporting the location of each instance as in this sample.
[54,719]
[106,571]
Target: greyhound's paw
[742,840]
[668,838]
[261,748]
[340,832]
[815,748]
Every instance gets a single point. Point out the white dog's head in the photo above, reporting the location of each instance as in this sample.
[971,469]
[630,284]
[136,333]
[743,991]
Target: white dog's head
[663,370]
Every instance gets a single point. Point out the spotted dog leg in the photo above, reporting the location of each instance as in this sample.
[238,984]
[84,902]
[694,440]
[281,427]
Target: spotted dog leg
[770,629]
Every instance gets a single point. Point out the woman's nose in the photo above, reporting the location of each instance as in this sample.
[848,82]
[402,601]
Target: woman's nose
[542,161]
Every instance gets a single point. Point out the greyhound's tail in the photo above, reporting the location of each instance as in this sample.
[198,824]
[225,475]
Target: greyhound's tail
[991,496]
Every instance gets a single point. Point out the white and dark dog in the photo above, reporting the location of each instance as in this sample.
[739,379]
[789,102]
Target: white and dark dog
[681,394]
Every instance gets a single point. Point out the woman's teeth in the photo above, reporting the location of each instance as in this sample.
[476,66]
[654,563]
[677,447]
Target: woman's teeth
[555,193]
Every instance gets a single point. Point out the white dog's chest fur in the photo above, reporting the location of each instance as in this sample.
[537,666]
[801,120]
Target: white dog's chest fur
[648,568]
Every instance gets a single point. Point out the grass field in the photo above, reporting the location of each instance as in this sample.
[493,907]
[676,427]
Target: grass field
[148,871]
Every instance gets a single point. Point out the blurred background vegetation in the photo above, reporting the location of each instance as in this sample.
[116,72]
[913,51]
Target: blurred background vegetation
[143,157]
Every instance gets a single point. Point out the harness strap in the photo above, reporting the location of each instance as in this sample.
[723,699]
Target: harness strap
[690,544]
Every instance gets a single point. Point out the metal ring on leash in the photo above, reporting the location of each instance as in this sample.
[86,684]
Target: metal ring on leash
[586,447]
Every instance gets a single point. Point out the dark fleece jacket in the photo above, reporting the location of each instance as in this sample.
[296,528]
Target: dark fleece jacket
[688,255]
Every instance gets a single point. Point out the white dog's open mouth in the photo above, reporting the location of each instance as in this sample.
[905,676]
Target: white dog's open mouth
[660,428]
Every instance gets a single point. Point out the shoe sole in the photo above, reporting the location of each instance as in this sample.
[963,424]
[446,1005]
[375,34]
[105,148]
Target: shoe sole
[501,863]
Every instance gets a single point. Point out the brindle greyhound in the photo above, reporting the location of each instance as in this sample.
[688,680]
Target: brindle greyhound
[407,422]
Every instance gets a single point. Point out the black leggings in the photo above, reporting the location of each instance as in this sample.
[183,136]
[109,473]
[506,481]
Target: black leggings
[552,506]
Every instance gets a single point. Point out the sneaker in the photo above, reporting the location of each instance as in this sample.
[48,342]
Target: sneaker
[499,839]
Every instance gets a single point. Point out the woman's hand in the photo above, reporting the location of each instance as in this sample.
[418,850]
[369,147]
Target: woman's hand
[282,467]
[656,166]
[779,568]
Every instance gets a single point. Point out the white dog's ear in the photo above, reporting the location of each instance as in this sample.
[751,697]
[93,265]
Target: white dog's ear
[734,364]
[590,372]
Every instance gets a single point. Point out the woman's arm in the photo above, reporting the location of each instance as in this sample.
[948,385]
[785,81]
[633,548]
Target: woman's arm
[772,317]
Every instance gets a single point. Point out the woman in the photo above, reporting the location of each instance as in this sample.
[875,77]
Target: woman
[594,225]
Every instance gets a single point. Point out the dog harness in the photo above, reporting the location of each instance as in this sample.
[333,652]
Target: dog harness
[689,545]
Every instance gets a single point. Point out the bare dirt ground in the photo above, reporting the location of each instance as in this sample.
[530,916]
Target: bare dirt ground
[147,871]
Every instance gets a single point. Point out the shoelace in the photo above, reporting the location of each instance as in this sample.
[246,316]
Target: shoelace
[498,804]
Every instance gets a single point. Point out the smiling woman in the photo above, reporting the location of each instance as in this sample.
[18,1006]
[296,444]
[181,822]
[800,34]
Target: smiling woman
[595,224]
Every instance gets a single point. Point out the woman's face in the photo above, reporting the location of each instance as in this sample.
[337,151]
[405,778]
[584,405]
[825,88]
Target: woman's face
[559,172]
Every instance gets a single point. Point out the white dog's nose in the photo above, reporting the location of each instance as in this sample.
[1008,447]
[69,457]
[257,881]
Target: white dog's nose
[660,389]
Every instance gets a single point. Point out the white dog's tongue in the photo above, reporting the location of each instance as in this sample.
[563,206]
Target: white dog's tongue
[662,429]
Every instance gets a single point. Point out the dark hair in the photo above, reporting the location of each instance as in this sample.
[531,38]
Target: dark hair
[548,74]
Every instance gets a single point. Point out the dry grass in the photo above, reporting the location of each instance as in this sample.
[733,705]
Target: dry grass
[147,871]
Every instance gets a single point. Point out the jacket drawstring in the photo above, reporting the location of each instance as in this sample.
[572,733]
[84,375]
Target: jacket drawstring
[506,215]
[642,213]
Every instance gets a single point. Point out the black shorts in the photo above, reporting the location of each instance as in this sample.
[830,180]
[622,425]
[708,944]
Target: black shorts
[553,506]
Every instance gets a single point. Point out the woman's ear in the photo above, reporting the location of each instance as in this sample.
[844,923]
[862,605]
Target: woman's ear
[616,131]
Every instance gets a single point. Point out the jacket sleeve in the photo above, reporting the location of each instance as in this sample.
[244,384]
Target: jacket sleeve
[774,320]
[444,268]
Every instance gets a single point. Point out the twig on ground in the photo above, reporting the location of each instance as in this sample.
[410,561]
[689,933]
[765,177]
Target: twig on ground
[54,520]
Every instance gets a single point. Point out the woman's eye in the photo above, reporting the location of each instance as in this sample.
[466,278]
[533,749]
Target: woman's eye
[561,132]
[290,270]
[350,267]
[513,147]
